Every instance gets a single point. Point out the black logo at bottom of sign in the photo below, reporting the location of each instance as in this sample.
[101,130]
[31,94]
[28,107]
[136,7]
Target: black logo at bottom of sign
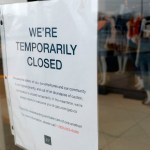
[48,140]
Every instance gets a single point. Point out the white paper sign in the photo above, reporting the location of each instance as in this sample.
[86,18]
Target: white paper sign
[51,51]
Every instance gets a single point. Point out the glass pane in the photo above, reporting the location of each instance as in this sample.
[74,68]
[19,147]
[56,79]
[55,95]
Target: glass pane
[124,75]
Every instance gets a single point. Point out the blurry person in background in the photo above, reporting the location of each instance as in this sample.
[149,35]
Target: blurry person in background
[143,57]
[121,40]
[103,34]
[133,39]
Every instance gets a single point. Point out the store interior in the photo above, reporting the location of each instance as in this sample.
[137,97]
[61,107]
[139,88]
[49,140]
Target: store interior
[123,71]
[123,41]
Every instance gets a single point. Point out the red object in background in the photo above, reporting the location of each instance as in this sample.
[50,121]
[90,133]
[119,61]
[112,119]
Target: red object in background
[137,24]
[131,28]
[101,24]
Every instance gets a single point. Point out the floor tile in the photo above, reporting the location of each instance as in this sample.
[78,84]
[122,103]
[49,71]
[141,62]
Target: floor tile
[145,125]
[124,123]
[115,121]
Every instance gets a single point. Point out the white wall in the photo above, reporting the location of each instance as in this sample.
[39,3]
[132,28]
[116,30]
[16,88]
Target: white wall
[11,1]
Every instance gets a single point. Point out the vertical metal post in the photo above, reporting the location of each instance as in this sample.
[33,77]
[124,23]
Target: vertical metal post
[2,142]
[141,7]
